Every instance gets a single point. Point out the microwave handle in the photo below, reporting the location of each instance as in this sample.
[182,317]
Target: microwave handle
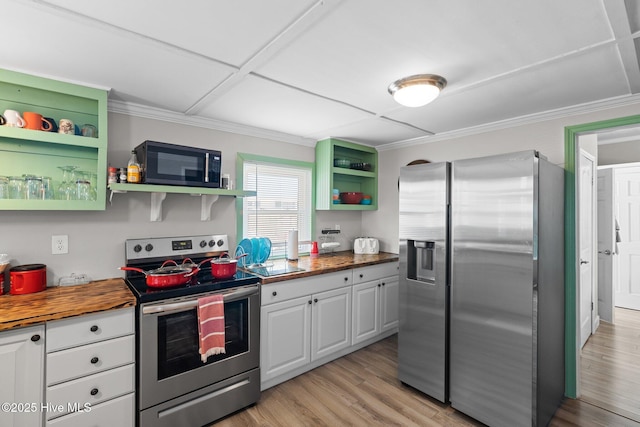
[206,167]
[187,305]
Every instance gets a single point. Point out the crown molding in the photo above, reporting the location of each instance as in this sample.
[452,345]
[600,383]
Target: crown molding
[574,110]
[137,110]
[143,111]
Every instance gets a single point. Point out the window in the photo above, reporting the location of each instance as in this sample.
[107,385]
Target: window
[285,200]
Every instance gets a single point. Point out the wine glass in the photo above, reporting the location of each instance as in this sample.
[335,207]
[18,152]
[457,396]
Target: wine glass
[67,188]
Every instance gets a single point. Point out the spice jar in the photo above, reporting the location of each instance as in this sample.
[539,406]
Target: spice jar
[123,175]
[113,175]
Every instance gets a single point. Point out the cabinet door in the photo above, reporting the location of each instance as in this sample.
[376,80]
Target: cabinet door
[285,337]
[366,315]
[331,322]
[21,369]
[389,303]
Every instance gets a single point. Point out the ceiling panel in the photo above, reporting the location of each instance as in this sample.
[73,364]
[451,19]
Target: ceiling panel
[360,48]
[137,69]
[578,79]
[261,103]
[317,68]
[230,31]
[372,131]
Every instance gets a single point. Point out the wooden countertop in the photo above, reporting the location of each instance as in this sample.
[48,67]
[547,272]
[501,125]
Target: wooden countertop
[64,301]
[325,263]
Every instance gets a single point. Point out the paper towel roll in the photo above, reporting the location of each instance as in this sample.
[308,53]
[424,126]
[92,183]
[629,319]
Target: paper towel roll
[292,245]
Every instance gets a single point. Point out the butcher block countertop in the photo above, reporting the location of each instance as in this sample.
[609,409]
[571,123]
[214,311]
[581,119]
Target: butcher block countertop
[61,302]
[325,263]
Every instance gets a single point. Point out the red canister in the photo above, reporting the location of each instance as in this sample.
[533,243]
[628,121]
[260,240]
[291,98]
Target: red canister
[27,279]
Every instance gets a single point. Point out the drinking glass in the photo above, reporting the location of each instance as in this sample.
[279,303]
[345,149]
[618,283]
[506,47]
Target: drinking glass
[67,188]
[4,187]
[16,187]
[33,187]
[83,186]
[47,188]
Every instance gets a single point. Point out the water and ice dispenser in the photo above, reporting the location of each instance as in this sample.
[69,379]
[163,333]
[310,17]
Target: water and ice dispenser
[421,260]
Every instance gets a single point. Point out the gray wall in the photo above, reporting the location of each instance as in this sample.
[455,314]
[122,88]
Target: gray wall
[96,239]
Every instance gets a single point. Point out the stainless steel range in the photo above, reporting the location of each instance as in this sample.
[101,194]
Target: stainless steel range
[175,388]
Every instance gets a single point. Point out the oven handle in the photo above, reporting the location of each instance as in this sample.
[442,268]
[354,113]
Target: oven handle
[187,305]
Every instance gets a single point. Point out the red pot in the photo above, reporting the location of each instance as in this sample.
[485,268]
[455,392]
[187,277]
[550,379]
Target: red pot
[165,276]
[27,279]
[224,267]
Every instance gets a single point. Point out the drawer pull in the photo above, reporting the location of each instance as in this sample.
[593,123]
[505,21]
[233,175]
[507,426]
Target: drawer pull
[94,360]
[315,300]
[361,276]
[309,301]
[274,293]
[346,279]
[94,328]
[378,284]
[94,391]
[382,283]
[35,338]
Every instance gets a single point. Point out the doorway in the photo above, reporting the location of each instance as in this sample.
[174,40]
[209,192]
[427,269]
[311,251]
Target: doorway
[572,329]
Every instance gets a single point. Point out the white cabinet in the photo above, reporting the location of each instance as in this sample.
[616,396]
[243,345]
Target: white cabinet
[375,301]
[389,303]
[307,322]
[285,337]
[21,373]
[330,322]
[303,321]
[90,368]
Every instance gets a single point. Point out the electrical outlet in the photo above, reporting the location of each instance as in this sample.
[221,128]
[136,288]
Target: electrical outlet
[59,244]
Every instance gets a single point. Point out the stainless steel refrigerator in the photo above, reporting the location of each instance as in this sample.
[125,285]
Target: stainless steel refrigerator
[482,286]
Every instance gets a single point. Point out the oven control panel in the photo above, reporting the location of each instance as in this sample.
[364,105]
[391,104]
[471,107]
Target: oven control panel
[168,247]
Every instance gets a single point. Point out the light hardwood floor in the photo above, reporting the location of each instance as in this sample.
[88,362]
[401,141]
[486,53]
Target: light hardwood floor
[610,362]
[361,389]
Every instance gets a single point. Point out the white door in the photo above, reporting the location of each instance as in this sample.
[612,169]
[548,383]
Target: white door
[627,293]
[606,244]
[330,322]
[586,232]
[389,303]
[21,373]
[366,316]
[285,337]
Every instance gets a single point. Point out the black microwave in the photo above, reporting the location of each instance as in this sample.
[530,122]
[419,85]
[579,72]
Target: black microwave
[171,164]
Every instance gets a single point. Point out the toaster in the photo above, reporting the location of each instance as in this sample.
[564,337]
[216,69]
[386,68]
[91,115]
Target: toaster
[365,245]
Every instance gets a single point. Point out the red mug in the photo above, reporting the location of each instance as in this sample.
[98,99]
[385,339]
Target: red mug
[35,121]
[27,279]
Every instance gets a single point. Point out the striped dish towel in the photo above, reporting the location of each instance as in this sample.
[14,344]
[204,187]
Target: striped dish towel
[211,326]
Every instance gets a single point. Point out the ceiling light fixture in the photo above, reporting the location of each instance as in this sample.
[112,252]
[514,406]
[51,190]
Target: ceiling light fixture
[418,90]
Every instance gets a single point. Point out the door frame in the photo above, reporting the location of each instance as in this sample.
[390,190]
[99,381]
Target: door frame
[572,349]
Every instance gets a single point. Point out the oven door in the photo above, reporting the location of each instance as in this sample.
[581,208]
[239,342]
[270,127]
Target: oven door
[169,362]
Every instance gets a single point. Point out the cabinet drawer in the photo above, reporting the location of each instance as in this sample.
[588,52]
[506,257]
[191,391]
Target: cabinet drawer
[89,359]
[374,272]
[296,288]
[82,330]
[116,412]
[91,390]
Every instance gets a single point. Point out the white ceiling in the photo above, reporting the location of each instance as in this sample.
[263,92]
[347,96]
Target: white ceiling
[302,70]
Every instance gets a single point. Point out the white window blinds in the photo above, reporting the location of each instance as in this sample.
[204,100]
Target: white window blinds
[283,202]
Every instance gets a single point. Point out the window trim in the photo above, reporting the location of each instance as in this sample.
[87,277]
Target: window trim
[242,157]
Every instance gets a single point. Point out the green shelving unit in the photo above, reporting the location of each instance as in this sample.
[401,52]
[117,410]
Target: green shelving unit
[345,179]
[40,153]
